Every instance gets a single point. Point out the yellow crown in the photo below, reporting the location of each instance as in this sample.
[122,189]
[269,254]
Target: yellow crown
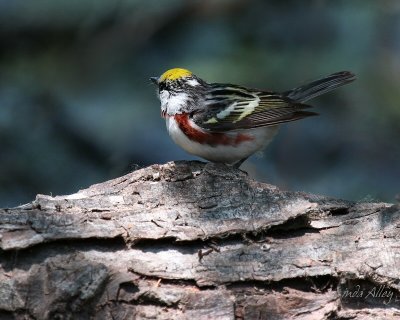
[174,74]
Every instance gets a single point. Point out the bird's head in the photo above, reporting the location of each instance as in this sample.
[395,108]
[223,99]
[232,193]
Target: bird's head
[177,89]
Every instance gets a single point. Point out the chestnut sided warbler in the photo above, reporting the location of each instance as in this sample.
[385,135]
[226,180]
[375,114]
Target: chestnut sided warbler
[228,123]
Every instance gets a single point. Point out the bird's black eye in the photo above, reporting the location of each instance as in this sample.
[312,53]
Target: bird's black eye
[162,86]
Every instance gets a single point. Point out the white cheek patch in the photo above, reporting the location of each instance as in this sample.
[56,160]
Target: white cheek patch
[164,95]
[175,103]
[172,103]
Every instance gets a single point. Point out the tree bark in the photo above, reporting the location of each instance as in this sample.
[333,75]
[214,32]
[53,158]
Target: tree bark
[188,240]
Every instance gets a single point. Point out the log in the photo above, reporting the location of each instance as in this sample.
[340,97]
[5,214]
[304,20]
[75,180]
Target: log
[189,240]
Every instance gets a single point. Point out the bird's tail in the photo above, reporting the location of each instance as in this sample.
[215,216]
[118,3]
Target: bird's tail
[320,86]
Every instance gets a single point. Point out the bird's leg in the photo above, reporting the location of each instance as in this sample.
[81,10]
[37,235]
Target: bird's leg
[239,163]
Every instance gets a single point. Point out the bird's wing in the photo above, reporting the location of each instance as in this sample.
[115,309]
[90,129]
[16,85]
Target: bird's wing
[232,108]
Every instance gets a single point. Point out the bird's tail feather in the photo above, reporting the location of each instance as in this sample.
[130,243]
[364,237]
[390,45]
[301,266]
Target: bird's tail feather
[320,86]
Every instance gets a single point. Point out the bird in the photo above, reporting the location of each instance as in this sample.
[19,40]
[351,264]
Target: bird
[227,123]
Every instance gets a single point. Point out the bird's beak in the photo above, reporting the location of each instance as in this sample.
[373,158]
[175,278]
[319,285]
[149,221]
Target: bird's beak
[154,80]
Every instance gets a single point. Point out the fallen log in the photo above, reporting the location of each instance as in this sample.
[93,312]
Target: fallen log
[200,241]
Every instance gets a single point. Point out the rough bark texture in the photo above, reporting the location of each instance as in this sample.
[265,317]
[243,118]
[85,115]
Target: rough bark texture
[188,240]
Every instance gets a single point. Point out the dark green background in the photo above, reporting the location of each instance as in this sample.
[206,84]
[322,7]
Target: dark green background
[76,106]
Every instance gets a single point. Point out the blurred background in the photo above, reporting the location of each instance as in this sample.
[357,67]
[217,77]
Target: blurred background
[77,108]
